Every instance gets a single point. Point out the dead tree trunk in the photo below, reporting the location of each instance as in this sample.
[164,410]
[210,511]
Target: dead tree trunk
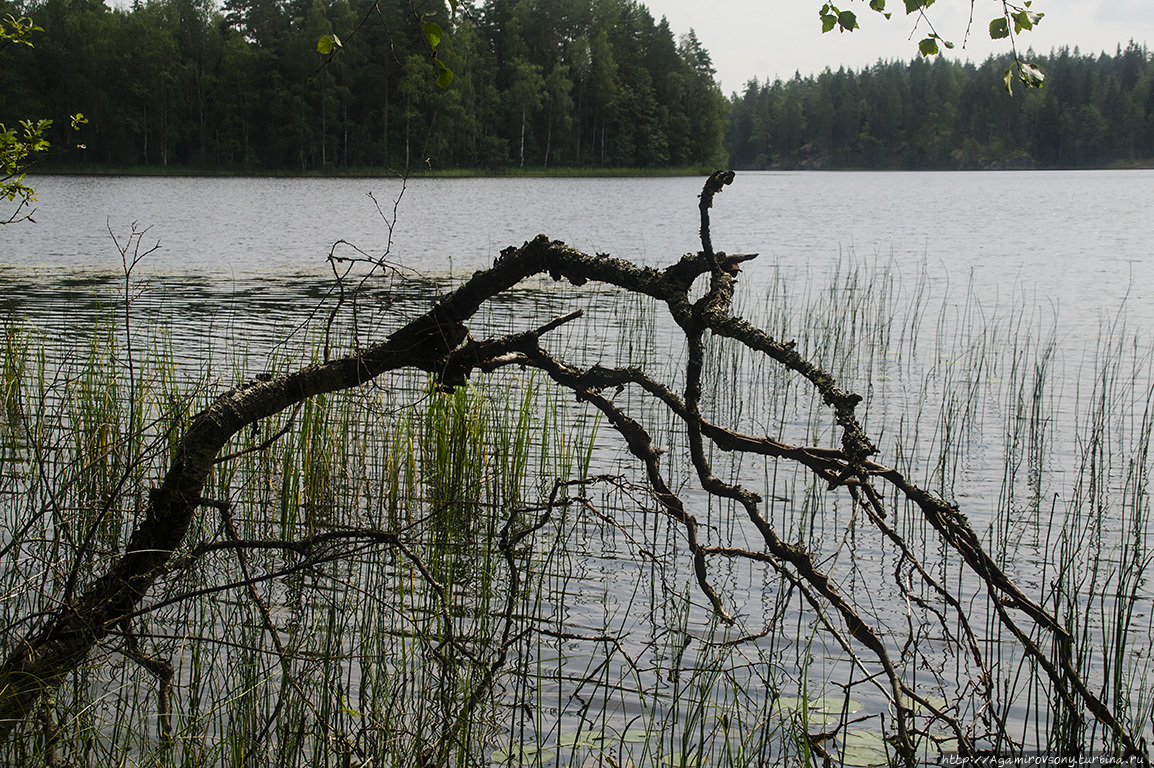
[438,342]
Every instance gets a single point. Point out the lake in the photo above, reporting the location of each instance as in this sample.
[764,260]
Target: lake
[997,324]
[1076,240]
[1073,240]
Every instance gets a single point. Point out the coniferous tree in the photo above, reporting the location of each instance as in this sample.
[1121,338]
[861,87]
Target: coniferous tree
[536,82]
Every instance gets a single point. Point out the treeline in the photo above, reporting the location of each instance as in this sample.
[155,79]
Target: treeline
[537,83]
[1093,111]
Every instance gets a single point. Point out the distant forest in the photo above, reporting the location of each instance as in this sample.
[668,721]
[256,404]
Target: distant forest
[1093,111]
[537,84]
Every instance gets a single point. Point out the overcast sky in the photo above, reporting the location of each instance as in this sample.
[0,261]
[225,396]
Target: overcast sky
[775,38]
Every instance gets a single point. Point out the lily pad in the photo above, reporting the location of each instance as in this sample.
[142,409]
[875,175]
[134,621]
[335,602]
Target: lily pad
[835,705]
[690,760]
[937,702]
[790,704]
[574,739]
[522,754]
[824,711]
[635,736]
[864,756]
[602,738]
[818,718]
[864,748]
[863,738]
[927,748]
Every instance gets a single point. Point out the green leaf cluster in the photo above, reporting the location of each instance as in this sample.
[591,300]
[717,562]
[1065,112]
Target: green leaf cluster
[18,147]
[928,46]
[844,21]
[24,144]
[433,34]
[1023,20]
[16,30]
[1022,17]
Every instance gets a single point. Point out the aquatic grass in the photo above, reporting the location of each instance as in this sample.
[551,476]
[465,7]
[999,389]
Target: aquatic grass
[608,640]
[1105,535]
[316,472]
[1008,366]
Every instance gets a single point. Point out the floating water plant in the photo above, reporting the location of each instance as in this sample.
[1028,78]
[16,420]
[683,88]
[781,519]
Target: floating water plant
[685,760]
[864,748]
[825,710]
[522,754]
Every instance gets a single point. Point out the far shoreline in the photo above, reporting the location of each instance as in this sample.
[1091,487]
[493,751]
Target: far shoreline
[370,173]
[176,171]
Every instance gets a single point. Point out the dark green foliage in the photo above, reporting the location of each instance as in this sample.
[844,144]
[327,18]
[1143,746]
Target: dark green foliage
[1094,111]
[314,85]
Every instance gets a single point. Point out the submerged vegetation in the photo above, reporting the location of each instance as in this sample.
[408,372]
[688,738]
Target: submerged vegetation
[454,564]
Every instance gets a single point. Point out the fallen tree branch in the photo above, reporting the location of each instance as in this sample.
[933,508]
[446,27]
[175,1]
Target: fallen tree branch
[438,342]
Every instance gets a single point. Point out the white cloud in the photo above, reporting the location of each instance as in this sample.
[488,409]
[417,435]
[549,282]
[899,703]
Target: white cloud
[1135,13]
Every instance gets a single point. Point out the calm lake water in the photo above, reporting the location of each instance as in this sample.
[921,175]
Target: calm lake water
[1078,242]
[1080,239]
[1022,286]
